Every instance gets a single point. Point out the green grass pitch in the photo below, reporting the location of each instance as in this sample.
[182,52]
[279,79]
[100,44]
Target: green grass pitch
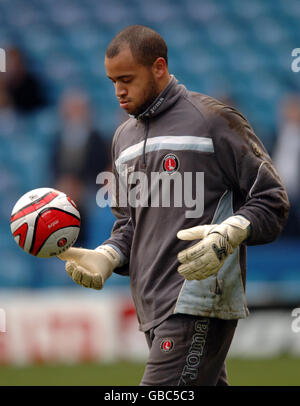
[282,371]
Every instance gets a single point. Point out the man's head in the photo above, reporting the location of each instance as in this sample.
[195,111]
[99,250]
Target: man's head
[136,61]
[75,107]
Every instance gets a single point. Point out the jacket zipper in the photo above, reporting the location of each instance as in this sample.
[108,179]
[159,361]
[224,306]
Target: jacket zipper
[145,142]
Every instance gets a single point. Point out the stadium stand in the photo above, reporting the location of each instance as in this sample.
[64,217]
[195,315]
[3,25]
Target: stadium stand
[215,47]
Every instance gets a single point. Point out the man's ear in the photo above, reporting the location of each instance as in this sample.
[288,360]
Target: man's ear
[159,67]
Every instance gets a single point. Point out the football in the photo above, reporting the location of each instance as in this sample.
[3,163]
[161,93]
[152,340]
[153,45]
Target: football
[45,222]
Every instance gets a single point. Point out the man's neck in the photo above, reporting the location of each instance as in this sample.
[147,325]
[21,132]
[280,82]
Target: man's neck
[164,83]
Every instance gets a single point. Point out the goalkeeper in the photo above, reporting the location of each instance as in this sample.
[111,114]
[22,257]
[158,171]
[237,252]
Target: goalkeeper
[187,273]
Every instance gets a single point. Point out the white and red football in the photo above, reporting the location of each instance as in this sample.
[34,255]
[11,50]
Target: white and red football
[45,222]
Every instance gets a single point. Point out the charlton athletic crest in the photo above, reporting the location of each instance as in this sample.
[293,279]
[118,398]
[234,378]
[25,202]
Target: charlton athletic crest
[170,163]
[167,345]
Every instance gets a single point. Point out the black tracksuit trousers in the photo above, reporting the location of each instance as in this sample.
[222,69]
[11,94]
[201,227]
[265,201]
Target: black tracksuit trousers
[188,350]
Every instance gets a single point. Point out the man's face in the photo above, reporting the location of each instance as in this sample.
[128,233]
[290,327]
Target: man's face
[135,84]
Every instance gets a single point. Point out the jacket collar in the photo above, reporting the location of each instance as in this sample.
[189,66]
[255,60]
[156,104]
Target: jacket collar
[164,100]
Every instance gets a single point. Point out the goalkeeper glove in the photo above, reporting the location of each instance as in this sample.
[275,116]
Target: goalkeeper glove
[218,241]
[90,268]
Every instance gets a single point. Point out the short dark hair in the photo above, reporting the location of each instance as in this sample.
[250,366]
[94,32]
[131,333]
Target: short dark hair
[146,45]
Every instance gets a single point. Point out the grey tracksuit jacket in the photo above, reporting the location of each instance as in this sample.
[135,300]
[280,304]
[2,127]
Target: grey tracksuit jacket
[187,132]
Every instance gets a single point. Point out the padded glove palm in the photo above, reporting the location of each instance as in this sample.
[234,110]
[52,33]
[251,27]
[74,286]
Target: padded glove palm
[218,241]
[90,268]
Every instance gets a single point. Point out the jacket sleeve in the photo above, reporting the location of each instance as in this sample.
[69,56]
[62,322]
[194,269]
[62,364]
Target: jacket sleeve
[122,231]
[249,171]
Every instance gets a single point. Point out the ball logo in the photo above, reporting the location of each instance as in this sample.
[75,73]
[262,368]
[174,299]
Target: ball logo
[33,197]
[167,345]
[53,224]
[62,242]
[170,163]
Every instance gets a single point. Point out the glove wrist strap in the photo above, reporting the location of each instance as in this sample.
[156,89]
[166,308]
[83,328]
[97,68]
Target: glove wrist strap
[238,221]
[110,254]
